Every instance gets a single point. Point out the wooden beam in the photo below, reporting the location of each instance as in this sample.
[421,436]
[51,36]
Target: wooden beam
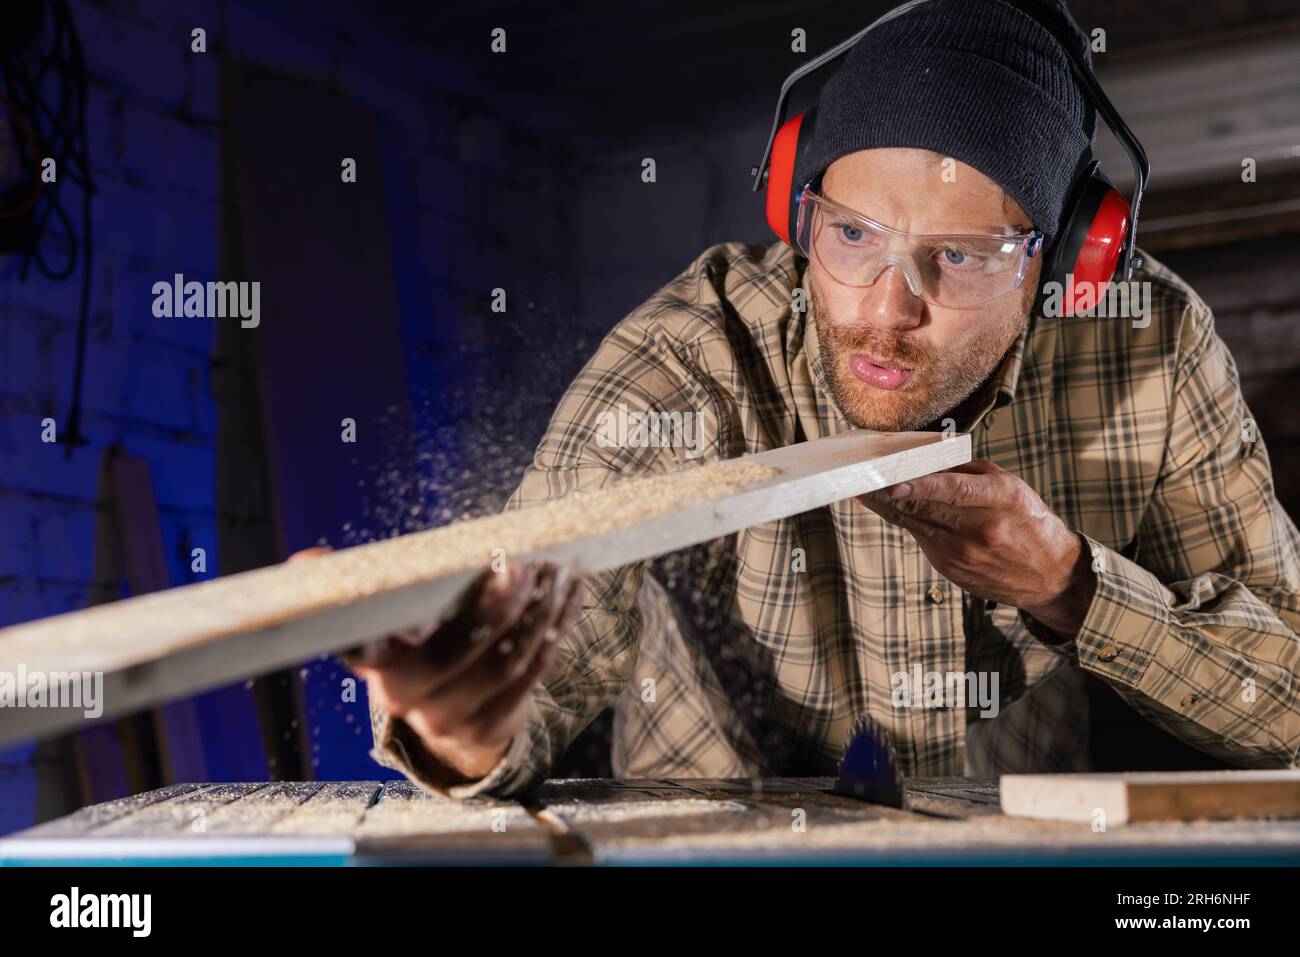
[160,646]
[171,739]
[1137,797]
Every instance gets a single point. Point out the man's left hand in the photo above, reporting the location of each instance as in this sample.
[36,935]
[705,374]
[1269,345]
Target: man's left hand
[986,531]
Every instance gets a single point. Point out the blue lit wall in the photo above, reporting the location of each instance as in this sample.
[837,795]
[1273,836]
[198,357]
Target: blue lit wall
[154,128]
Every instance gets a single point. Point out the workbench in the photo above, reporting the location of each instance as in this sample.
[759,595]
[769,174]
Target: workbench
[770,821]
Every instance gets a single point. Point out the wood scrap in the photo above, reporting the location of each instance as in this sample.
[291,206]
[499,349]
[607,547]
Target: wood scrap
[1135,797]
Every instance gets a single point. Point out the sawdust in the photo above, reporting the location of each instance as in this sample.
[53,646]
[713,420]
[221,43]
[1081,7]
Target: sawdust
[115,635]
[407,811]
[612,812]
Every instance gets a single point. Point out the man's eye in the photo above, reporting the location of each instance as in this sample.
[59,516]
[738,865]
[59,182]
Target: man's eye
[959,258]
[853,234]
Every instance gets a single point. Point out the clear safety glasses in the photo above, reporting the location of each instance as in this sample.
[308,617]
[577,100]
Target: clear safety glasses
[957,272]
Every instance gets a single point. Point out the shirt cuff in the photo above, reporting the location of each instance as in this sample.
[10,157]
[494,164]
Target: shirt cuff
[1128,617]
[397,746]
[1061,644]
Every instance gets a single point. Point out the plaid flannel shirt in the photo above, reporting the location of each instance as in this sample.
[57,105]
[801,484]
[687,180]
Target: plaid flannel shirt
[1136,435]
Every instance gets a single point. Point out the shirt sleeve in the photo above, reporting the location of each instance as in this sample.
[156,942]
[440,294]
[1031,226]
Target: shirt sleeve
[1198,632]
[597,434]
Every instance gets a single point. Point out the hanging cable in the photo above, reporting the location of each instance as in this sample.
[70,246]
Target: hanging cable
[43,96]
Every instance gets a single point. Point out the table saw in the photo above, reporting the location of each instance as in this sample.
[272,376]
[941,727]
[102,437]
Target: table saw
[765,821]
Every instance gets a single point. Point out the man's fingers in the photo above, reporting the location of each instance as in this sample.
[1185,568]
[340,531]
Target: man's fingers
[490,718]
[502,662]
[961,490]
[411,649]
[494,720]
[380,653]
[548,629]
[895,512]
[572,608]
[560,613]
[548,602]
[921,517]
[503,634]
[314,551]
[486,614]
[973,467]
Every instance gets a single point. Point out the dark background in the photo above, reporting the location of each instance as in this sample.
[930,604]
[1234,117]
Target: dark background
[519,171]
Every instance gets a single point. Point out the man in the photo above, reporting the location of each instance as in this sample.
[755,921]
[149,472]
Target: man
[1117,525]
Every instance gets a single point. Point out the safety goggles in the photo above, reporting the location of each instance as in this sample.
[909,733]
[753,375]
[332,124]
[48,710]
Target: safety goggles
[957,272]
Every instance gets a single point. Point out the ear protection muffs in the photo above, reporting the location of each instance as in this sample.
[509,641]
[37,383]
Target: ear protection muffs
[1097,235]
[1084,254]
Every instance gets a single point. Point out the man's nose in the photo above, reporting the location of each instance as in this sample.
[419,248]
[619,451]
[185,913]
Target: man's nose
[889,303]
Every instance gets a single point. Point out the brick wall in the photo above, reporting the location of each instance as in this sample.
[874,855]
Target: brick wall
[472,204]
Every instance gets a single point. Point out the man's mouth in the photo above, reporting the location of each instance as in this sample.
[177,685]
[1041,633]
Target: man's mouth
[883,375]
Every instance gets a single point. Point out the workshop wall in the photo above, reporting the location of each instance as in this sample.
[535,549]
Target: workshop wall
[1254,290]
[471,205]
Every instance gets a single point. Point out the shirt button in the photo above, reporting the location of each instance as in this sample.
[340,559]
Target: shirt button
[1188,700]
[1108,653]
[934,595]
[989,420]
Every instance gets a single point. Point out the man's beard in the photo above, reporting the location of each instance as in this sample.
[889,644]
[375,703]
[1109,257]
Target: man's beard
[939,384]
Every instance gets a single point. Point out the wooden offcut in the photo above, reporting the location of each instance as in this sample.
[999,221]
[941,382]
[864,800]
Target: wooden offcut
[182,640]
[1137,797]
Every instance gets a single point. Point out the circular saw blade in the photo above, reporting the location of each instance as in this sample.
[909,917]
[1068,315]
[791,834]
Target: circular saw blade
[869,767]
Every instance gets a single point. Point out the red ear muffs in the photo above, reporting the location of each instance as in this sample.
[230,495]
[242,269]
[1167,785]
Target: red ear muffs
[782,200]
[1086,251]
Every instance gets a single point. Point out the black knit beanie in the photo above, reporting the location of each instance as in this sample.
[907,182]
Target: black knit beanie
[977,80]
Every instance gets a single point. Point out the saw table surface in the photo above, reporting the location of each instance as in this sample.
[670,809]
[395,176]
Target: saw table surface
[590,821]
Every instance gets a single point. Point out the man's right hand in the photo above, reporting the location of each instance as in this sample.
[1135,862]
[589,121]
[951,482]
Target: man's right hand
[463,685]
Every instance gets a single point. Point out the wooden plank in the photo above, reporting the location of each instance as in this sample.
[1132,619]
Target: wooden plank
[101,751]
[171,739]
[182,640]
[139,528]
[1152,796]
